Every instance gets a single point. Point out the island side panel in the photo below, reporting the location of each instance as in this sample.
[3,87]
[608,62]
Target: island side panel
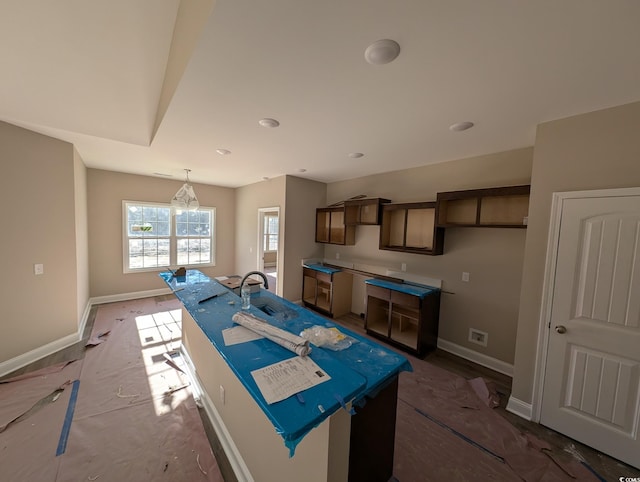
[261,449]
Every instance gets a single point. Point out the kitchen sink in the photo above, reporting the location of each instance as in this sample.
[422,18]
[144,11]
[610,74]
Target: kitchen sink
[273,308]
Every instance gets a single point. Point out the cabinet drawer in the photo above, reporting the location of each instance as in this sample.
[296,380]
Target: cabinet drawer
[311,273]
[405,299]
[377,292]
[320,276]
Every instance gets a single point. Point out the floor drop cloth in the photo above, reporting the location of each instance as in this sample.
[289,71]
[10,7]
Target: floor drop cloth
[134,420]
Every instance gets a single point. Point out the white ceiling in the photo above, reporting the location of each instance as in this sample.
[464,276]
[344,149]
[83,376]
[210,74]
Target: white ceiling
[97,74]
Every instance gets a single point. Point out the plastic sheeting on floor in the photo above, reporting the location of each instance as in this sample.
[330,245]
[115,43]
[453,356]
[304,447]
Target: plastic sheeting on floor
[134,417]
[445,431]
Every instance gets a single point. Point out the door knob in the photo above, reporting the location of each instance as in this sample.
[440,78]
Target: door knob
[561,329]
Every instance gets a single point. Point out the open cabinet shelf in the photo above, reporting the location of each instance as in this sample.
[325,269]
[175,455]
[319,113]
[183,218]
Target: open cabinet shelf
[330,227]
[498,207]
[410,227]
[363,211]
[405,321]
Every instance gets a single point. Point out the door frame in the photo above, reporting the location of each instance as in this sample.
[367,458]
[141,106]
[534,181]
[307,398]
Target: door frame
[548,285]
[260,250]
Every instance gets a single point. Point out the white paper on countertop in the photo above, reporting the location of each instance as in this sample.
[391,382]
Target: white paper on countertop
[239,334]
[283,379]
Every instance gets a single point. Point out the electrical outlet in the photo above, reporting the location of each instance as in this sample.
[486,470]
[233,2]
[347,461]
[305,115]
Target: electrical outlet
[478,337]
[38,269]
[403,267]
[222,395]
[465,276]
[337,255]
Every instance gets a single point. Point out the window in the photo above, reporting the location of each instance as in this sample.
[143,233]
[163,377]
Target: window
[270,232]
[156,237]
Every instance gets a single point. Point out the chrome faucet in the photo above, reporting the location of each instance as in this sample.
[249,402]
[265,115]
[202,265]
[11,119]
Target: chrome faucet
[264,277]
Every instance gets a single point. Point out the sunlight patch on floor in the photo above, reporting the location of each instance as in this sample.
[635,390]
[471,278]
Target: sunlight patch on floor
[160,341]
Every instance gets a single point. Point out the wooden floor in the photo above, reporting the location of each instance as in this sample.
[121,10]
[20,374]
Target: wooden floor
[606,467]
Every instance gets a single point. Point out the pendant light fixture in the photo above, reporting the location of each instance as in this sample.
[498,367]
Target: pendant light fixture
[185,198]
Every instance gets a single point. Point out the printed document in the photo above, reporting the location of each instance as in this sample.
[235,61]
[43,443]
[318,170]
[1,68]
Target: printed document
[281,380]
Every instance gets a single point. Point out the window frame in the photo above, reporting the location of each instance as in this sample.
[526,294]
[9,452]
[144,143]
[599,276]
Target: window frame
[266,234]
[172,237]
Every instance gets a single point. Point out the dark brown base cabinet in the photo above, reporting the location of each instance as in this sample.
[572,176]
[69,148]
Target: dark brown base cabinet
[328,293]
[407,321]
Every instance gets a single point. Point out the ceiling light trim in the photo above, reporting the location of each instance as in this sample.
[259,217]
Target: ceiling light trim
[382,52]
[269,122]
[461,126]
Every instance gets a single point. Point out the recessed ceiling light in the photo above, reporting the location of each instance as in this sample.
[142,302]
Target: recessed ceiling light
[302,170]
[162,174]
[355,155]
[461,126]
[265,178]
[223,152]
[382,52]
[268,122]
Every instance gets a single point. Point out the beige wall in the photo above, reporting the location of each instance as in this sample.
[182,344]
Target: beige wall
[599,150]
[82,233]
[107,190]
[492,256]
[302,198]
[39,226]
[248,199]
[297,199]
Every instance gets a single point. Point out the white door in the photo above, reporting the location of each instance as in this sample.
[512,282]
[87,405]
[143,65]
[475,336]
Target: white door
[590,388]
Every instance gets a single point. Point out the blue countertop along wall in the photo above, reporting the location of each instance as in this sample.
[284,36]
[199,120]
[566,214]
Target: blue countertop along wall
[322,268]
[357,372]
[412,289]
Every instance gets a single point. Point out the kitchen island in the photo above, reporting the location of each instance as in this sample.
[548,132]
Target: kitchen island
[339,430]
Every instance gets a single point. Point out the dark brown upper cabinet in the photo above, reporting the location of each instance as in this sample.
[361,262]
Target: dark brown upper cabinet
[363,211]
[496,207]
[330,227]
[411,228]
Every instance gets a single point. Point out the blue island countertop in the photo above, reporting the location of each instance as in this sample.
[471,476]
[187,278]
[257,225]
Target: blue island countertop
[356,372]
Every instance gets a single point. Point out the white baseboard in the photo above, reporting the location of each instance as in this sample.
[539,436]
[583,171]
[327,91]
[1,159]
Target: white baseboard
[520,408]
[136,295]
[26,358]
[85,317]
[36,354]
[231,451]
[471,355]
